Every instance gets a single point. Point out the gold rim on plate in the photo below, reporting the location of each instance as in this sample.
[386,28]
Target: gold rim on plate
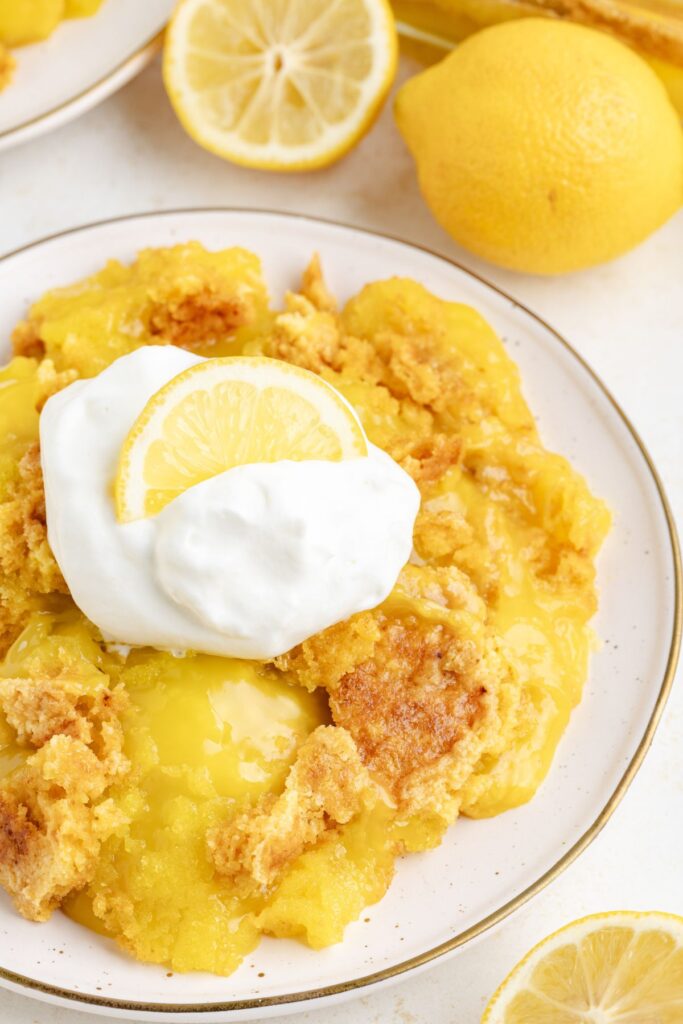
[142,54]
[625,781]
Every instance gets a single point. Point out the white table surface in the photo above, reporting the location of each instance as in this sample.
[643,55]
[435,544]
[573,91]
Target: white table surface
[130,155]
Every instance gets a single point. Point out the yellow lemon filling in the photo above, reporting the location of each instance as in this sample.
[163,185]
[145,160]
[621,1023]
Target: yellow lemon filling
[205,735]
[450,697]
[28,21]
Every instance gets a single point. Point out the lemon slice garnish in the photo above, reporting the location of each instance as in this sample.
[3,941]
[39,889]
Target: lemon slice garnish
[608,968]
[223,413]
[283,86]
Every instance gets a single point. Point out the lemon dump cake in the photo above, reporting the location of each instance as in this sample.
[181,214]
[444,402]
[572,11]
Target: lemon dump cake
[184,800]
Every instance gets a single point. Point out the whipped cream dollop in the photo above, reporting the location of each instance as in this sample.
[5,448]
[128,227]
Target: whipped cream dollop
[247,564]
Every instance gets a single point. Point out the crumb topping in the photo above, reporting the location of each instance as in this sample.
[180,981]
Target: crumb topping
[327,786]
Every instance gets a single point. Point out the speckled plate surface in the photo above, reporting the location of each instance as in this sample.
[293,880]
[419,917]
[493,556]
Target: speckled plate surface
[485,869]
[84,61]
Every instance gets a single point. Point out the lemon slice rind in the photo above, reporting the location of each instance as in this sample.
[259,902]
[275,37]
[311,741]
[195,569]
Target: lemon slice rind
[337,420]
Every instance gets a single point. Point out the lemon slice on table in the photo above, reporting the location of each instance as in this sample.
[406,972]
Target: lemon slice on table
[229,412]
[617,967]
[279,84]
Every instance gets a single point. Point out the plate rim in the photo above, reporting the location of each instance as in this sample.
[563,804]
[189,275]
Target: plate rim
[634,765]
[86,98]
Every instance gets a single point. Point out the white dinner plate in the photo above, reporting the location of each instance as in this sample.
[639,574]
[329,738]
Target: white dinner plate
[84,61]
[484,870]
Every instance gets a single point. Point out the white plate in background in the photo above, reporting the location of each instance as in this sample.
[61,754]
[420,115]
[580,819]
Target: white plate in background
[84,61]
[484,870]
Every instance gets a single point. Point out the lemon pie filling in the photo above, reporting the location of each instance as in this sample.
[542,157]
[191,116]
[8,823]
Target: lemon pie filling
[205,736]
[205,800]
[28,21]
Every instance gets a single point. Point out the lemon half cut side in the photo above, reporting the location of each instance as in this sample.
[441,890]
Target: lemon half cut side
[228,412]
[623,967]
[279,84]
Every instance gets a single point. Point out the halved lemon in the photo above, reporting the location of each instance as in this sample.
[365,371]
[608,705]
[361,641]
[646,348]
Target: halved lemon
[618,967]
[223,413]
[279,84]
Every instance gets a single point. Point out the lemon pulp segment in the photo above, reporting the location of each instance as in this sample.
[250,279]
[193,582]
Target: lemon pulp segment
[280,86]
[617,967]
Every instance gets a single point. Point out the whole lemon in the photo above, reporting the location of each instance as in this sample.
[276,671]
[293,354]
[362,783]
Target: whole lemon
[544,146]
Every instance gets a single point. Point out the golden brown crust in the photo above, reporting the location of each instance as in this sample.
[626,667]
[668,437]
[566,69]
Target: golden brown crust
[327,785]
[306,335]
[323,664]
[26,340]
[51,380]
[426,458]
[52,824]
[412,368]
[27,565]
[199,319]
[441,528]
[412,702]
[24,548]
[88,710]
[416,367]
[414,683]
[314,288]
[51,819]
